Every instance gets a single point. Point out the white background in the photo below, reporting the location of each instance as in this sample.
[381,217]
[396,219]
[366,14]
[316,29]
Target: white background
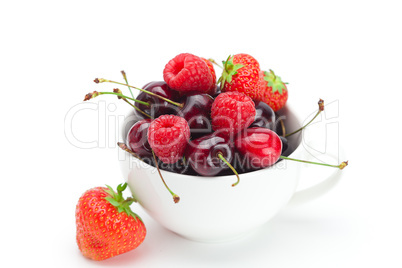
[347,52]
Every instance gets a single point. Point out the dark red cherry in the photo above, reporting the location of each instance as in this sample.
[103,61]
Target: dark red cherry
[137,138]
[216,92]
[264,117]
[203,154]
[157,106]
[261,147]
[197,112]
[287,148]
[239,163]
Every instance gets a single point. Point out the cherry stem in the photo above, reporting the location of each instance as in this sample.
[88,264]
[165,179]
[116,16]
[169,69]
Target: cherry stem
[125,79]
[119,95]
[176,198]
[124,147]
[231,167]
[136,108]
[320,109]
[283,128]
[214,62]
[101,80]
[340,166]
[116,90]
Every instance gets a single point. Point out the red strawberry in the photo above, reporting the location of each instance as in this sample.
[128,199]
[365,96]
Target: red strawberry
[168,136]
[106,226]
[274,91]
[241,73]
[231,112]
[212,89]
[187,72]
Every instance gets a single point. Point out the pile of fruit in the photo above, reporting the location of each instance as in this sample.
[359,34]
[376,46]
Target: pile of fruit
[193,123]
[195,126]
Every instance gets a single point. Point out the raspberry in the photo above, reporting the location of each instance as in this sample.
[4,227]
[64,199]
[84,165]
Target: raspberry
[187,72]
[231,112]
[168,136]
[212,89]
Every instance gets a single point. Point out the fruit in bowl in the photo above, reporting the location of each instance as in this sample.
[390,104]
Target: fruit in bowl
[219,152]
[210,209]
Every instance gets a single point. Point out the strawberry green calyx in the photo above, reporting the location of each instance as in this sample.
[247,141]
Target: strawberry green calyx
[274,81]
[229,69]
[118,201]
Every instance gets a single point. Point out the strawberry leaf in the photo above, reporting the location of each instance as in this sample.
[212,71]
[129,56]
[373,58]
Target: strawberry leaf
[274,82]
[117,200]
[229,70]
[112,201]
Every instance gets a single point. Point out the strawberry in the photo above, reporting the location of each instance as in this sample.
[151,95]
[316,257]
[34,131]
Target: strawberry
[274,91]
[241,73]
[168,136]
[231,112]
[106,226]
[187,72]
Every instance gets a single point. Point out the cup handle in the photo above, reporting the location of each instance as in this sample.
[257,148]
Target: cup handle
[317,190]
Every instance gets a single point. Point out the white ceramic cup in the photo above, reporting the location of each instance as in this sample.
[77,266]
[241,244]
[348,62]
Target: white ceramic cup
[210,209]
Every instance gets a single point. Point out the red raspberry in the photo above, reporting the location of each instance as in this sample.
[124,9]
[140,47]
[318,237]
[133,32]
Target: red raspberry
[168,136]
[231,112]
[212,89]
[187,72]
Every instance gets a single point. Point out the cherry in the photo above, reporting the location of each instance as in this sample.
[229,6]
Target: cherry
[210,155]
[157,106]
[264,117]
[287,148]
[197,112]
[260,146]
[216,92]
[137,138]
[239,163]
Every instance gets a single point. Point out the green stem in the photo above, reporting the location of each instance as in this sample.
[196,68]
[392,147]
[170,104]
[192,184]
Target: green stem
[124,97]
[124,147]
[214,62]
[231,167]
[176,198]
[340,166]
[125,79]
[320,108]
[101,80]
[136,108]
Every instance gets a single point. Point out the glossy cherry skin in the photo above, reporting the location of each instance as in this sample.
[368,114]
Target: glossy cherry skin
[137,138]
[287,148]
[158,106]
[216,92]
[261,147]
[202,154]
[264,117]
[197,112]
